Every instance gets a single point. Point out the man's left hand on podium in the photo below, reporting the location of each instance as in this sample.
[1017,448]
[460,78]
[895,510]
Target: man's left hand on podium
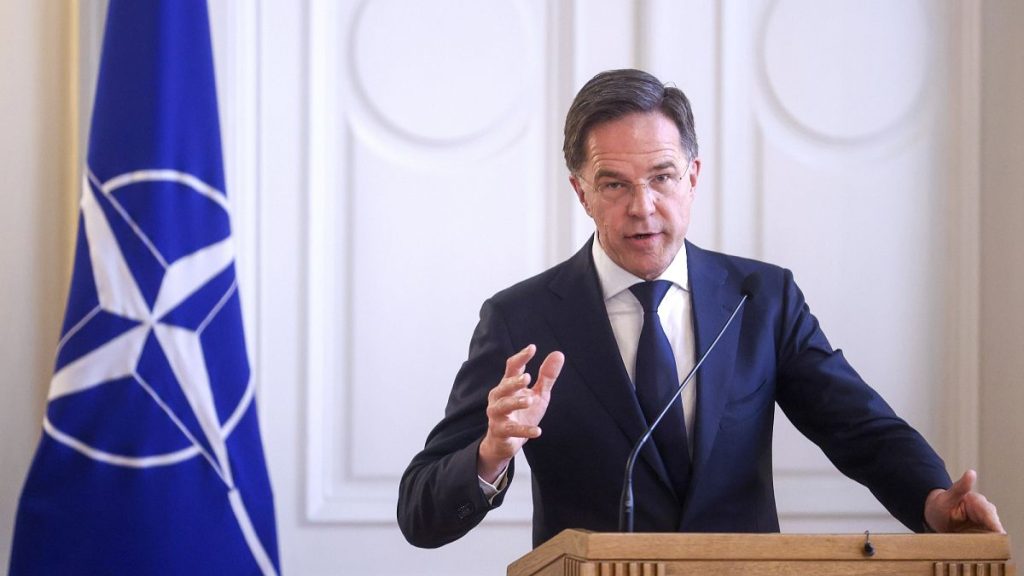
[961,509]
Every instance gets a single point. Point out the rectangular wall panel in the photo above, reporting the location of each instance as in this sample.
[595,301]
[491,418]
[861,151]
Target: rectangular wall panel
[428,194]
[834,153]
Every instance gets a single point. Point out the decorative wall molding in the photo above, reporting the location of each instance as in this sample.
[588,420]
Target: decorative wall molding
[874,125]
[321,319]
[365,161]
[411,101]
[235,37]
[762,120]
[561,80]
[738,189]
[961,388]
[880,89]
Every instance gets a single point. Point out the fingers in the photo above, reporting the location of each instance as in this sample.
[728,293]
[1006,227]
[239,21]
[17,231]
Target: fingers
[979,510]
[961,509]
[964,485]
[516,364]
[507,432]
[516,378]
[509,396]
[982,513]
[508,386]
[513,408]
[511,429]
[503,404]
[549,372]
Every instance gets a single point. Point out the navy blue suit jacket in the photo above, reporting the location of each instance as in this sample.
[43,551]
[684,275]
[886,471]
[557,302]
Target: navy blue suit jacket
[773,353]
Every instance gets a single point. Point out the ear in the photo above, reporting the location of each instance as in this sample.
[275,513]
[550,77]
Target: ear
[695,173]
[581,194]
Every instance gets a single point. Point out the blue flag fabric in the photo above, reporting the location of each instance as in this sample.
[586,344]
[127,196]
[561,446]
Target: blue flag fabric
[150,460]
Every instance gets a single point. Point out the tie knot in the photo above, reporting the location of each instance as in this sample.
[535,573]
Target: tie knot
[650,294]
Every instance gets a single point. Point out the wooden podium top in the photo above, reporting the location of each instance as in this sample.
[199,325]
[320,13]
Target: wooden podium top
[573,551]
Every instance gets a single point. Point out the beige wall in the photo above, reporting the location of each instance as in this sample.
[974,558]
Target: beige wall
[1002,263]
[35,191]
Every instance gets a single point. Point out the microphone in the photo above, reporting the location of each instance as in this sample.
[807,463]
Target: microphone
[751,284]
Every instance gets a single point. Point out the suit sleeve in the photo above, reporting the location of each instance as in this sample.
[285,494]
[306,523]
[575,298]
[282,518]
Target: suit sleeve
[439,497]
[830,404]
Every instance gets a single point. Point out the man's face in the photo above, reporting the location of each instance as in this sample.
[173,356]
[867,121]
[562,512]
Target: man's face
[638,186]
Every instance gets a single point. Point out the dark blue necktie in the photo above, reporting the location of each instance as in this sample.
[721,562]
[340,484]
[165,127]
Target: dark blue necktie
[656,381]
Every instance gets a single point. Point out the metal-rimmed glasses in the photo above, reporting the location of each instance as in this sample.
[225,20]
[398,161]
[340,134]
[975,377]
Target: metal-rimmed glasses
[663,184]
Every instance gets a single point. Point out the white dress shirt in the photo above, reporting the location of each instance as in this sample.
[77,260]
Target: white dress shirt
[626,316]
[627,319]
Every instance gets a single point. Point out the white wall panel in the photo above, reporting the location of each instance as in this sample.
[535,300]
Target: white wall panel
[678,41]
[423,176]
[843,155]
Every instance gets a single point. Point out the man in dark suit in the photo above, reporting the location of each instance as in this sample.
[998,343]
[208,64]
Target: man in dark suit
[618,326]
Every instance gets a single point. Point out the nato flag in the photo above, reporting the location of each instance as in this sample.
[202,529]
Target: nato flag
[150,460]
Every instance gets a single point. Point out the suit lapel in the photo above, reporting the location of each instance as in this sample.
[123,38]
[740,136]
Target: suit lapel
[580,323]
[713,301]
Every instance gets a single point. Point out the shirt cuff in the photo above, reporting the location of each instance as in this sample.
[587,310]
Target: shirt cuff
[491,491]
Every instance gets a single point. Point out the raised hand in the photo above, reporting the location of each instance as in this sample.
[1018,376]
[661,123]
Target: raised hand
[514,410]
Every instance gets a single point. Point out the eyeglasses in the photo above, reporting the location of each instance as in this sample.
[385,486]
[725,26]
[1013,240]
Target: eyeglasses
[663,185]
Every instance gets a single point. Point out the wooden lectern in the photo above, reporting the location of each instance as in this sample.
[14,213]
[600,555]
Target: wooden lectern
[584,553]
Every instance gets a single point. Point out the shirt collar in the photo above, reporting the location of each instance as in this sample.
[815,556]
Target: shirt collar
[614,279]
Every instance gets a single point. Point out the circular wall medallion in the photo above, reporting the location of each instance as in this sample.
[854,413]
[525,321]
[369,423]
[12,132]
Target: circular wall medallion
[442,71]
[846,69]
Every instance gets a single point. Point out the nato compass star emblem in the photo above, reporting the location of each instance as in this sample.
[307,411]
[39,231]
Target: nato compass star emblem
[152,367]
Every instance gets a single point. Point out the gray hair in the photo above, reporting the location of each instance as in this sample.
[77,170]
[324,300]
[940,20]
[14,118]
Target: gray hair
[616,93]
